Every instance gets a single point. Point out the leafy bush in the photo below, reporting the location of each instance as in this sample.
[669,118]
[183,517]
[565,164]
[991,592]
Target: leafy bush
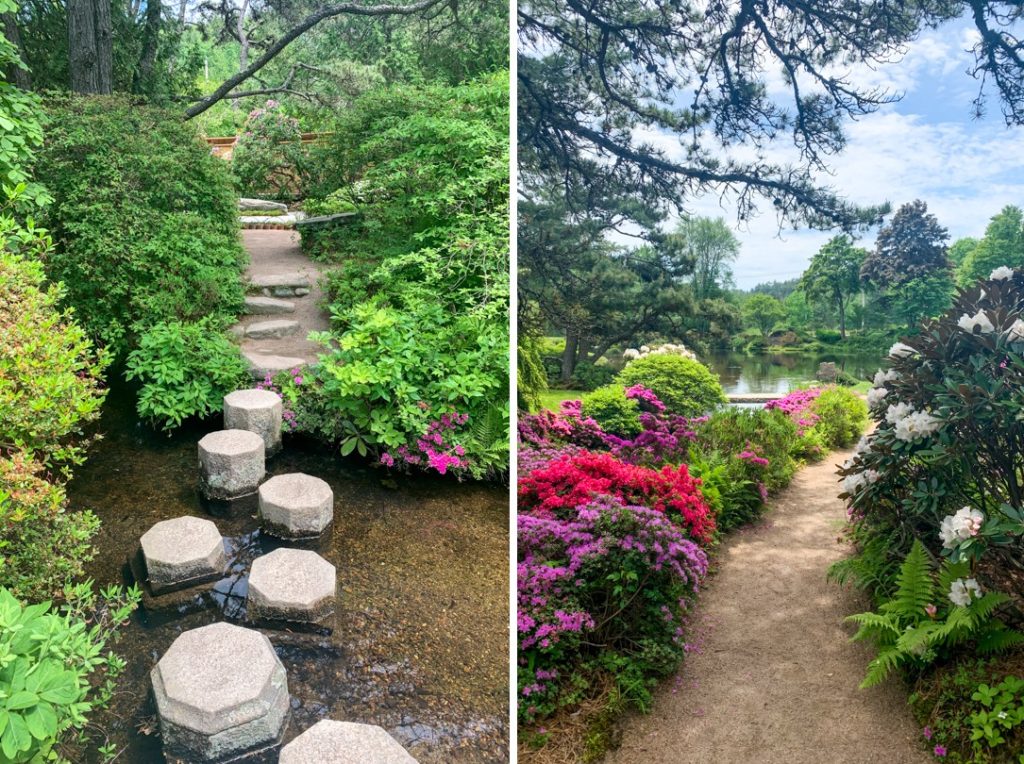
[766,434]
[55,667]
[42,544]
[828,336]
[144,219]
[50,376]
[685,386]
[610,408]
[841,416]
[269,158]
[185,370]
[589,376]
[601,583]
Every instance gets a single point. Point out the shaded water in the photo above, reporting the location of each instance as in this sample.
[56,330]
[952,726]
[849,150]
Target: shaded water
[781,372]
[420,639]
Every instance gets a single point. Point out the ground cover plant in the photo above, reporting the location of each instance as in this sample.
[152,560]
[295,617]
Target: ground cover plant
[935,488]
[615,529]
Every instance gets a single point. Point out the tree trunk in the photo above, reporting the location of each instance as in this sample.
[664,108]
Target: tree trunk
[572,342]
[82,46]
[150,42]
[105,46]
[15,74]
[842,319]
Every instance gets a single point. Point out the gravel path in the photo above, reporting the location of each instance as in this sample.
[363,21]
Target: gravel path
[774,678]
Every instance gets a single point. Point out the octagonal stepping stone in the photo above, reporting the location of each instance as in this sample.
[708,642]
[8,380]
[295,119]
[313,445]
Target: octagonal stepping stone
[220,691]
[257,411]
[231,463]
[296,506]
[291,585]
[272,330]
[182,552]
[331,742]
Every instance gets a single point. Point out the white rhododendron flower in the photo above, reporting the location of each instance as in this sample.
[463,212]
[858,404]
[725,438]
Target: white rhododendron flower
[964,524]
[630,353]
[881,377]
[863,445]
[978,320]
[645,349]
[1001,273]
[901,350]
[897,411]
[961,591]
[853,483]
[876,395]
[1016,331]
[917,425]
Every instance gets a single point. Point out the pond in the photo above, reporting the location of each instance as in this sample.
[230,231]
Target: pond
[781,372]
[420,639]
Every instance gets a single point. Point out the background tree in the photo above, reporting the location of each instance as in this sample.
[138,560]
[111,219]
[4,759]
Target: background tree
[924,297]
[1003,244]
[763,312]
[912,245]
[712,246]
[834,276]
[960,249]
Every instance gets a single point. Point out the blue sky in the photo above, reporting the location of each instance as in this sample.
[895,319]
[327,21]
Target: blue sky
[926,146]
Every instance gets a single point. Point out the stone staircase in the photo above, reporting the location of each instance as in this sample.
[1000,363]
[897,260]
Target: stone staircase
[282,306]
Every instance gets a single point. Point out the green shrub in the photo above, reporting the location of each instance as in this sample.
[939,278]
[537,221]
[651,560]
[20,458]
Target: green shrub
[530,378]
[611,409]
[842,416]
[685,386]
[144,219]
[185,370]
[732,431]
[828,336]
[589,376]
[269,159]
[42,544]
[56,668]
[50,376]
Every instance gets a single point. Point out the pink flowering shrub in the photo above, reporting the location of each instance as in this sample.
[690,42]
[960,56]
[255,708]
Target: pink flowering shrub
[269,158]
[435,450]
[603,585]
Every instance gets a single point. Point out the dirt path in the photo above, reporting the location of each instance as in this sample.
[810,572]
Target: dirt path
[774,679]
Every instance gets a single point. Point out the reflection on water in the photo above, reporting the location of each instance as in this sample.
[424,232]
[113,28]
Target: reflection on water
[780,372]
[420,637]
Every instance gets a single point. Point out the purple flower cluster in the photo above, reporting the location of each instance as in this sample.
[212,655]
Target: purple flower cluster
[796,405]
[287,415]
[663,440]
[548,428]
[646,399]
[435,449]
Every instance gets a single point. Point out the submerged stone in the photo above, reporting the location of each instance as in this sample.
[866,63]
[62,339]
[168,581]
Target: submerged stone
[296,505]
[291,585]
[257,411]
[220,691]
[331,742]
[231,463]
[182,552]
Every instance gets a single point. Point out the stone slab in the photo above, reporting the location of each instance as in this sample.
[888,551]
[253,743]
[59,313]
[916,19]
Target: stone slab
[332,742]
[295,506]
[273,329]
[289,280]
[220,690]
[261,364]
[182,552]
[258,411]
[231,463]
[291,585]
[260,205]
[258,305]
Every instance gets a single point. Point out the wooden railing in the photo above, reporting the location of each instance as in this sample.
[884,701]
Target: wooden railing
[224,146]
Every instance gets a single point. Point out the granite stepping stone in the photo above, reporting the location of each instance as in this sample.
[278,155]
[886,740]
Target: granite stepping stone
[261,364]
[272,330]
[331,742]
[296,506]
[257,411]
[183,552]
[231,464]
[259,305]
[220,692]
[291,585]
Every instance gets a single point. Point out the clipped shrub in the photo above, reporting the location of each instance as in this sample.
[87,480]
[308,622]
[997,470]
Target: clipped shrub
[685,386]
[144,218]
[841,415]
[50,375]
[612,410]
[185,370]
[602,586]
[42,544]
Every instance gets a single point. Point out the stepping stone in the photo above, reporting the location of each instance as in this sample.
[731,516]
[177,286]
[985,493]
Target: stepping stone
[220,691]
[259,305]
[231,463]
[295,506]
[257,411]
[261,364]
[182,552]
[285,280]
[291,585]
[331,742]
[261,205]
[272,330]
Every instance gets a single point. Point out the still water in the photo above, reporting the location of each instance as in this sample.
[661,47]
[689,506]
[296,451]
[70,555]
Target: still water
[420,639]
[780,372]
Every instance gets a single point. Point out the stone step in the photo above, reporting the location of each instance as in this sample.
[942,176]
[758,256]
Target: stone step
[258,305]
[272,330]
[260,205]
[281,285]
[261,364]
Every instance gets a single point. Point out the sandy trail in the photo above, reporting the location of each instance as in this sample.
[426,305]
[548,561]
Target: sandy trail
[775,677]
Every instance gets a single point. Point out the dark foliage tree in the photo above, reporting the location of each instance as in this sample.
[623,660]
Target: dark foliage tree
[912,245]
[834,276]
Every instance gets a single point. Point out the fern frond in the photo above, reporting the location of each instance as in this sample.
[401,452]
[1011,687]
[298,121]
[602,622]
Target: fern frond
[999,638]
[914,586]
[883,665]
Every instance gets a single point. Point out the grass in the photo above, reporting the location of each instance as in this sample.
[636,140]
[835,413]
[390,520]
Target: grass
[549,399]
